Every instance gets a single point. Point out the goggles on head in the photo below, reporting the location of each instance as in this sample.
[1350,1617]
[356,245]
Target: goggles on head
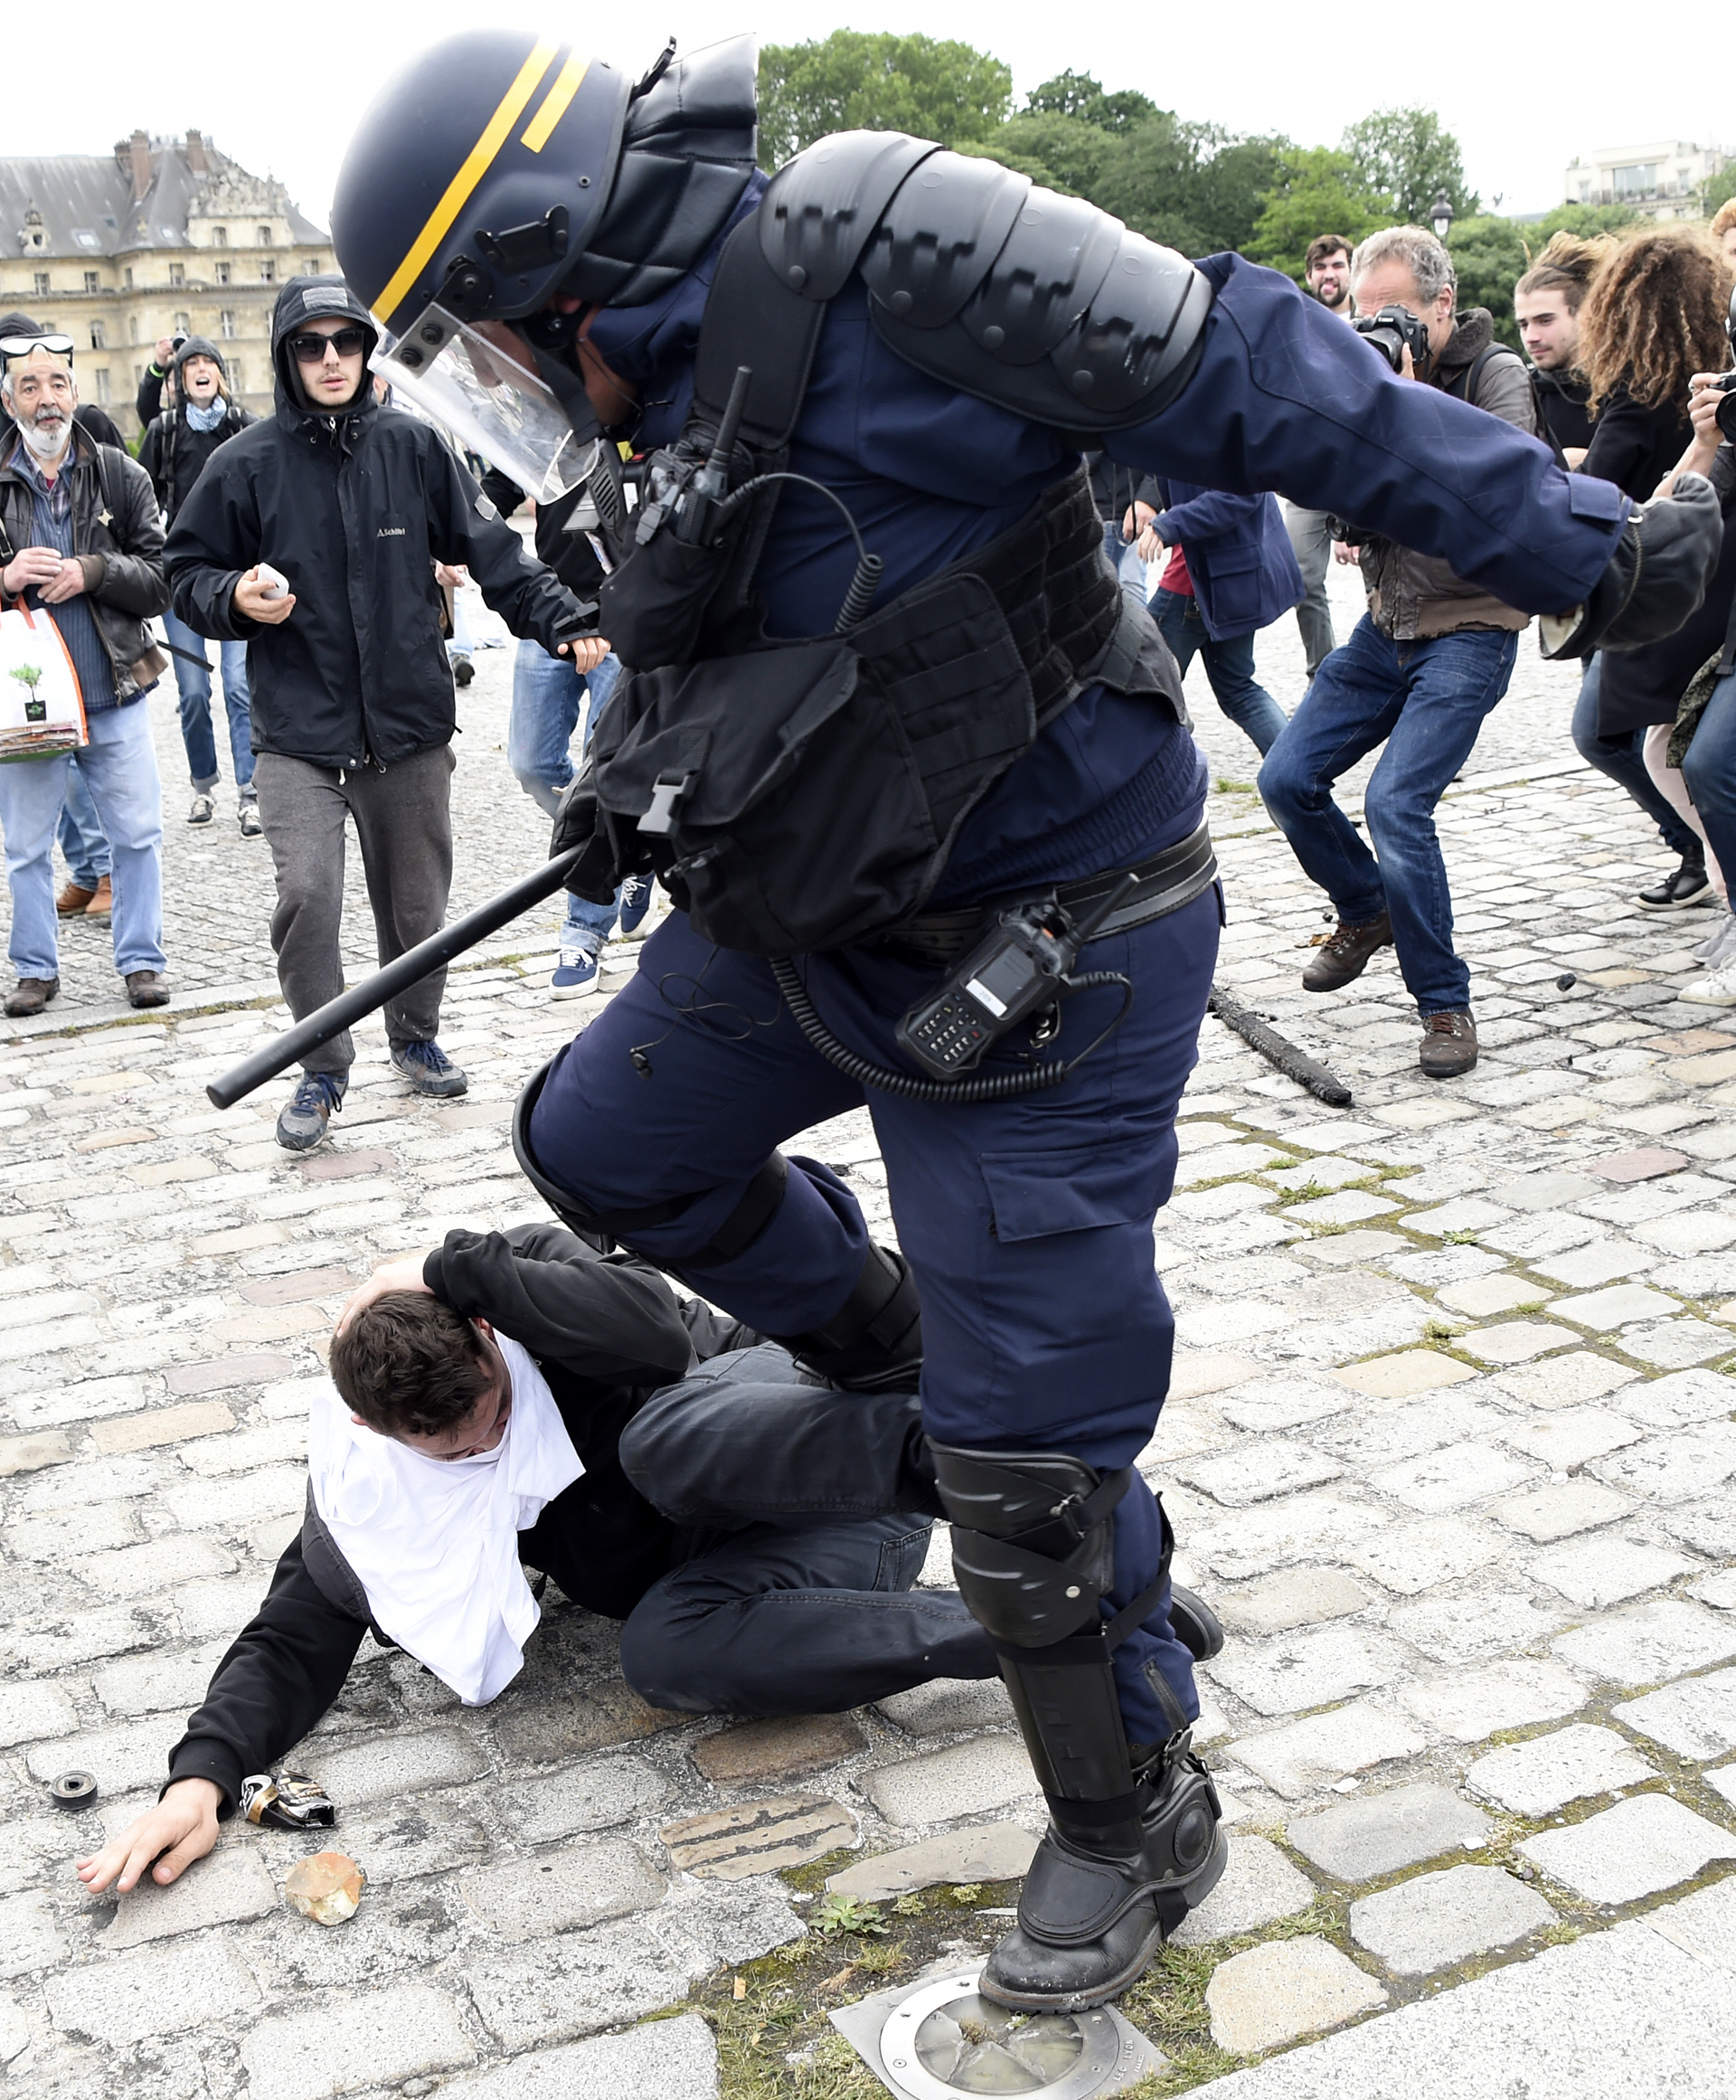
[16,346]
[474,378]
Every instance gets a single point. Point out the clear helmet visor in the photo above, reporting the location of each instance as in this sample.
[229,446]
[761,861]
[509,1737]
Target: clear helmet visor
[476,378]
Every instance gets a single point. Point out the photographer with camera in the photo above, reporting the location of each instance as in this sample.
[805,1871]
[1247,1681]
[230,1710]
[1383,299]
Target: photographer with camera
[1430,659]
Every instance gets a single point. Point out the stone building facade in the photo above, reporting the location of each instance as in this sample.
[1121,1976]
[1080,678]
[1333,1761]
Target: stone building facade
[1665,179]
[120,248]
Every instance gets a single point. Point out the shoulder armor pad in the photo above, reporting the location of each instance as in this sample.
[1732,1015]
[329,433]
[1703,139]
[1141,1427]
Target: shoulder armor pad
[821,209]
[1041,303]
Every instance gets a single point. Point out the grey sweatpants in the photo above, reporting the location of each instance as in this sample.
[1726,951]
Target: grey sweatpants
[403,821]
[1312,544]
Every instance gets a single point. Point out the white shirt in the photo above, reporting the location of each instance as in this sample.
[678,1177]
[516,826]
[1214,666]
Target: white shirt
[434,1542]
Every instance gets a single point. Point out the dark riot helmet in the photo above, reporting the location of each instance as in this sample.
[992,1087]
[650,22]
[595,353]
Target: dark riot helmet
[500,169]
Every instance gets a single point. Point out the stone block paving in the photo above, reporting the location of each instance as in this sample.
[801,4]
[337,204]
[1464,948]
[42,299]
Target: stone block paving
[1449,1446]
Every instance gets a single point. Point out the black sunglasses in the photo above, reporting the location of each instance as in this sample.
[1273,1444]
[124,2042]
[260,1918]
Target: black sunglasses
[311,349]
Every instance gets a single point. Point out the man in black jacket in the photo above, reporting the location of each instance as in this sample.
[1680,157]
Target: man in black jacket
[745,1521]
[348,507]
[175,451]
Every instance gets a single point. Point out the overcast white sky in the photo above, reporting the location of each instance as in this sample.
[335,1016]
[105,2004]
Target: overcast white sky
[275,98]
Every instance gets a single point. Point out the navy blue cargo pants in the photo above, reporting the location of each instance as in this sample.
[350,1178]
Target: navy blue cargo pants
[1028,1222]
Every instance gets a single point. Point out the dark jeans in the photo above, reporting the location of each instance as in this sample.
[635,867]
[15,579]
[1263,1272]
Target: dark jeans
[403,824]
[1710,771]
[1425,701]
[1027,1222]
[796,1597]
[1619,759]
[1229,667]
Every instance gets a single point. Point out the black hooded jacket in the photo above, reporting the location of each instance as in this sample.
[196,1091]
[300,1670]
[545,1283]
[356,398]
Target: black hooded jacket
[174,454]
[353,508]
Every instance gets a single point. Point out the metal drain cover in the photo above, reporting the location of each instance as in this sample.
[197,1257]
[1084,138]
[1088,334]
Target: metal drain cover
[936,2039]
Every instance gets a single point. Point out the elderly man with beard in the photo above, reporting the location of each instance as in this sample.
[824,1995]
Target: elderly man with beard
[176,450]
[80,539]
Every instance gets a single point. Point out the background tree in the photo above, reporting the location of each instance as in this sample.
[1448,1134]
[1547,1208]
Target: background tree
[1406,155]
[1314,190]
[1071,94]
[852,82]
[1721,189]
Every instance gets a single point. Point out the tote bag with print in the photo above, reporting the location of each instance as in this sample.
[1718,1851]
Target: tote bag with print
[42,708]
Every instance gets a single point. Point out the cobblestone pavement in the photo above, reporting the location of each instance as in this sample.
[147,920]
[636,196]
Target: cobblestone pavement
[1450,1447]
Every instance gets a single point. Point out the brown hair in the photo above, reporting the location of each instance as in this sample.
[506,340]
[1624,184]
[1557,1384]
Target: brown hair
[1722,218]
[1567,264]
[409,1362]
[1324,245]
[1655,316]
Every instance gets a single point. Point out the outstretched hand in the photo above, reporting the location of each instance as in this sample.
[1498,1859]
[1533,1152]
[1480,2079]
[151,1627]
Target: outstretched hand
[181,1828]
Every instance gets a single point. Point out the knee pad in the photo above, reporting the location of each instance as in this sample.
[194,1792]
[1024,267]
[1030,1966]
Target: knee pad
[605,1229]
[873,1342]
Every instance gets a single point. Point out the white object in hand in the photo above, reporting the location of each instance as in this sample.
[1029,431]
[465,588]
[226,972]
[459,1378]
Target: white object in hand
[275,581]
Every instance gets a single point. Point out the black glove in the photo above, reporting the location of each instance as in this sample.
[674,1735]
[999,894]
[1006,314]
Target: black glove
[593,874]
[1657,578]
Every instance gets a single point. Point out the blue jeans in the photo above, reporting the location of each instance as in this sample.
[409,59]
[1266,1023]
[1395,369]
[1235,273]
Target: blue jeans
[193,681]
[88,858]
[1124,559]
[1229,667]
[1710,771]
[1027,1222]
[547,695]
[1619,759]
[119,765]
[1425,701]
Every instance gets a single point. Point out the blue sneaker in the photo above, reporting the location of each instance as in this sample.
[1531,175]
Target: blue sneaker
[575,972]
[310,1110]
[428,1069]
[635,902]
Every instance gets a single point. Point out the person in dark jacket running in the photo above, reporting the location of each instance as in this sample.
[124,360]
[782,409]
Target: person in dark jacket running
[175,450]
[759,1532]
[313,537]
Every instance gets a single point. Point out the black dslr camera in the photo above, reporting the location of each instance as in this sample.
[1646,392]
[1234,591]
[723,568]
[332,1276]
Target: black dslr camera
[1392,331]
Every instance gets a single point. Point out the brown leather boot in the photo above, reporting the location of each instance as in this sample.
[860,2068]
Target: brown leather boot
[1448,1048]
[1346,953]
[30,995]
[102,901]
[73,899]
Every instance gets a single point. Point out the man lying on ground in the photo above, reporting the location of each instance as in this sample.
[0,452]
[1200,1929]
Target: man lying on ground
[507,1400]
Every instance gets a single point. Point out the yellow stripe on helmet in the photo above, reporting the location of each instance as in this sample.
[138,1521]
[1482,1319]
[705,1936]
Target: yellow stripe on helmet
[458,190]
[554,104]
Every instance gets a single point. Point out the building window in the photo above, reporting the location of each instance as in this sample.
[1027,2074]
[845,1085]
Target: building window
[132,328]
[223,273]
[265,237]
[177,273]
[103,395]
[226,324]
[126,278]
[220,236]
[39,280]
[235,379]
[267,271]
[182,326]
[99,335]
[92,282]
[1639,181]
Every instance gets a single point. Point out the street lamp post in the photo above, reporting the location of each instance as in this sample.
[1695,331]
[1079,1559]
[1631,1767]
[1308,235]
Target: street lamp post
[1441,213]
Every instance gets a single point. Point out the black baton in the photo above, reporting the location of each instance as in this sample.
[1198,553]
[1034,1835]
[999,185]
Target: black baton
[1276,1049]
[410,967]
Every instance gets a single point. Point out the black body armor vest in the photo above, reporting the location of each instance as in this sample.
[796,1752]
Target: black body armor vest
[798,796]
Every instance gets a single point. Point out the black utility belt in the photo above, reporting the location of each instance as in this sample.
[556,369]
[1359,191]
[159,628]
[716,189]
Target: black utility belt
[1163,884]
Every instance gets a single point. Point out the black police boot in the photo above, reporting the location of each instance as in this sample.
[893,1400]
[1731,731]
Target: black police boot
[1100,1900]
[1132,1842]
[1658,576]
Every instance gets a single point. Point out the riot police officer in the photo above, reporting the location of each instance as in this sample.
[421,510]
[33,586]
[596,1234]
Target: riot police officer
[923,785]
